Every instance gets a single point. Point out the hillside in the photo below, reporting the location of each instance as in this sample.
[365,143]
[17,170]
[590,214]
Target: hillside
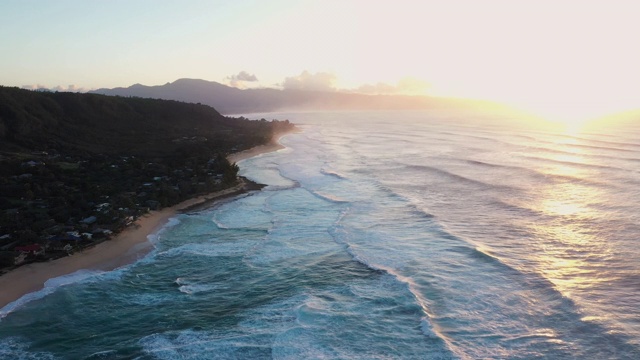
[76,168]
[105,124]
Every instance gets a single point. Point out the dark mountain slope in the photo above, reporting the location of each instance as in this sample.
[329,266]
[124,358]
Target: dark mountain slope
[76,168]
[105,124]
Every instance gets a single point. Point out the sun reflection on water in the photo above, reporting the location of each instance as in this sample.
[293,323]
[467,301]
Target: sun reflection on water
[567,237]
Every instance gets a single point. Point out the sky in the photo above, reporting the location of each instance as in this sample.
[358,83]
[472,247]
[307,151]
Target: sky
[559,58]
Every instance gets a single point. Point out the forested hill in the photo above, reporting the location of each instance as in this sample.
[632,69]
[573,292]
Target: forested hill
[77,168]
[92,123]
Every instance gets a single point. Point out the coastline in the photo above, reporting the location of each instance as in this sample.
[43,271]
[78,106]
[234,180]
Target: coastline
[127,246]
[272,146]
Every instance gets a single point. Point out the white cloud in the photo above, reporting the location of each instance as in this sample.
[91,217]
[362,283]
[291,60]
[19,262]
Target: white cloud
[238,80]
[35,87]
[406,86]
[70,88]
[379,88]
[306,81]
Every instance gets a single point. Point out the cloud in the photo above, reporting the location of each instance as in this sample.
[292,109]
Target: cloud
[35,87]
[405,86]
[379,88]
[245,76]
[238,80]
[70,88]
[306,81]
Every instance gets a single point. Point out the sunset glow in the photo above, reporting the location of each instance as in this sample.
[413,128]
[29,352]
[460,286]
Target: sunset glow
[567,61]
[319,179]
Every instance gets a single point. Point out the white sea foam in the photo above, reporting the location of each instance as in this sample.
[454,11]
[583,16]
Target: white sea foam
[191,344]
[172,222]
[147,299]
[214,249]
[106,354]
[219,224]
[160,347]
[50,286]
[299,343]
[155,237]
[14,348]
[193,287]
[333,173]
[329,197]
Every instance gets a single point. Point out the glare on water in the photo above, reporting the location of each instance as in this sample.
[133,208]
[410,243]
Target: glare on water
[572,254]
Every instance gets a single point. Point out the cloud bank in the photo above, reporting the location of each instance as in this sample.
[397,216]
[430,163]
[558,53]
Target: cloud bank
[240,79]
[406,86]
[321,81]
[324,81]
[69,88]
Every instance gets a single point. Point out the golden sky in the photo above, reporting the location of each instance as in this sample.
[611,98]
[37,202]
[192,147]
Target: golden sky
[566,58]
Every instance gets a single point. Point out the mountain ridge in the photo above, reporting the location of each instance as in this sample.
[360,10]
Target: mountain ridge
[106,124]
[229,100]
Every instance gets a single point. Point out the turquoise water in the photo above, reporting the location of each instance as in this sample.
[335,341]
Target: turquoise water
[389,235]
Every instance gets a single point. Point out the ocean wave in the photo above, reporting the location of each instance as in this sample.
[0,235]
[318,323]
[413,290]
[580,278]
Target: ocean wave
[155,237]
[595,147]
[573,163]
[281,187]
[598,141]
[550,177]
[458,178]
[517,210]
[512,169]
[50,286]
[214,249]
[562,179]
[106,354]
[328,197]
[190,287]
[219,224]
[250,214]
[352,250]
[545,290]
[428,327]
[192,344]
[16,348]
[484,254]
[539,149]
[612,143]
[406,201]
[194,289]
[332,173]
[484,138]
[489,165]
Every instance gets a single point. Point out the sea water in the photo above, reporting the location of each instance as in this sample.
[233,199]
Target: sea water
[391,235]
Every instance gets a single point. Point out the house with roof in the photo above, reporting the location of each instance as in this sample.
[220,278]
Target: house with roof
[28,251]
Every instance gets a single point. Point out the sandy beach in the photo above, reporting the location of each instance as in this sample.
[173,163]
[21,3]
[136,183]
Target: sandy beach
[254,151]
[124,248]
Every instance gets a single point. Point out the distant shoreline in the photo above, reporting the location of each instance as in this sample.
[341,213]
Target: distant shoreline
[273,145]
[126,247]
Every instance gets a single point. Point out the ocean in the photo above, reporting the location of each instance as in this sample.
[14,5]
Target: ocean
[379,235]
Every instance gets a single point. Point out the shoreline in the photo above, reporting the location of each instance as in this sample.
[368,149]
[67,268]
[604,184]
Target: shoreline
[271,146]
[127,246]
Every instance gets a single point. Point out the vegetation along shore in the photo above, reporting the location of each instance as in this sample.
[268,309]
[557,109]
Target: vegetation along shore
[79,169]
